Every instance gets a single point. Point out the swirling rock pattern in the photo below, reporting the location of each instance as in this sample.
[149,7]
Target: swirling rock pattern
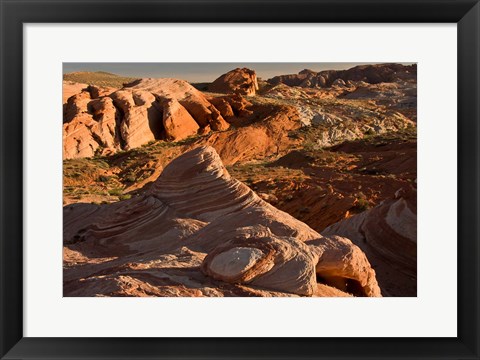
[199,232]
[388,236]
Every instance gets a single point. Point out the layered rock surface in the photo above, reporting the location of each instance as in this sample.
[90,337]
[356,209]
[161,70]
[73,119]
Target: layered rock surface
[199,232]
[388,236]
[241,81]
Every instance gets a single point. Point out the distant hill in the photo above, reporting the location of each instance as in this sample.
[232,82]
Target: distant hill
[371,74]
[100,78]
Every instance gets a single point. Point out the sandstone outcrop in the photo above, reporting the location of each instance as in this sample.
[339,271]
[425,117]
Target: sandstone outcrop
[177,121]
[146,110]
[355,276]
[199,232]
[70,88]
[387,234]
[232,106]
[328,148]
[141,117]
[241,81]
[190,98]
[90,126]
[256,141]
[101,121]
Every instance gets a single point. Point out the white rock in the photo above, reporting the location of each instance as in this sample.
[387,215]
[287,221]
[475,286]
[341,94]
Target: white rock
[235,261]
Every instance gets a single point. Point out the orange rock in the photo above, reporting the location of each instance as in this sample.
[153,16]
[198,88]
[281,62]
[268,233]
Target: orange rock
[70,88]
[137,115]
[238,81]
[198,231]
[177,122]
[191,99]
[90,126]
[223,106]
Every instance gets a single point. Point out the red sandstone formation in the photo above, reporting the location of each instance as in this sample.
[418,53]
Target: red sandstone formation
[97,121]
[70,88]
[190,229]
[199,232]
[388,236]
[102,121]
[241,81]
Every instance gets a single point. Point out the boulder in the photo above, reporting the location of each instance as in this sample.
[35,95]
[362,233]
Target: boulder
[241,81]
[177,121]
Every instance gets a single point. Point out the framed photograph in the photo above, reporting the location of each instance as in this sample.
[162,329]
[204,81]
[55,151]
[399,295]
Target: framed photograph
[239,179]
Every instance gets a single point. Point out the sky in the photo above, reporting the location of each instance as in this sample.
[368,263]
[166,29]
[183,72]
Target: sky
[201,72]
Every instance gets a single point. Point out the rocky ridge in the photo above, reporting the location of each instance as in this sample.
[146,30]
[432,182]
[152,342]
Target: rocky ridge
[371,74]
[199,232]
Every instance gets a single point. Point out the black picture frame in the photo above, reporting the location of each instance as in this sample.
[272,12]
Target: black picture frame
[14,13]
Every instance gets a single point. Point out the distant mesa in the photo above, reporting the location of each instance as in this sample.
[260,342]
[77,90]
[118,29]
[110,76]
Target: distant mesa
[204,233]
[241,81]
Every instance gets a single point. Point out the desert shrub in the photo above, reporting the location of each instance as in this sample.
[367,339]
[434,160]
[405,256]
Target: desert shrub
[130,178]
[101,164]
[115,192]
[361,203]
[103,178]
